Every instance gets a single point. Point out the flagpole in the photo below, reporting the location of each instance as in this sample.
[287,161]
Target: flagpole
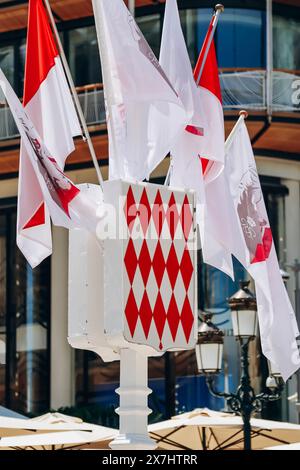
[131,7]
[219,8]
[243,115]
[87,136]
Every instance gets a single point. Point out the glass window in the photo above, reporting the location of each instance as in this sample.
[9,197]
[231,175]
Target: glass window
[150,27]
[2,307]
[7,62]
[240,36]
[21,68]
[96,382]
[241,39]
[84,56]
[286,43]
[194,24]
[274,195]
[24,325]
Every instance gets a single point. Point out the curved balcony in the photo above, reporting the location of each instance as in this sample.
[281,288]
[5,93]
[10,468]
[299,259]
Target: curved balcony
[240,89]
[247,89]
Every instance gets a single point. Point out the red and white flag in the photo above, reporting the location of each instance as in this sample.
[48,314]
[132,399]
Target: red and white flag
[144,113]
[202,137]
[186,171]
[278,327]
[216,234]
[212,150]
[49,105]
[68,206]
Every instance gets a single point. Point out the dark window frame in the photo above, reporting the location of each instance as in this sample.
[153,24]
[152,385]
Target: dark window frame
[8,208]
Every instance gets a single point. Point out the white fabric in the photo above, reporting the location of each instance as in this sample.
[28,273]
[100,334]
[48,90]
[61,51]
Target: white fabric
[174,59]
[212,146]
[278,327]
[68,206]
[52,429]
[295,446]
[52,112]
[205,112]
[58,439]
[144,114]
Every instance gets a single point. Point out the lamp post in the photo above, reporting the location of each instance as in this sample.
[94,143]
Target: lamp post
[209,351]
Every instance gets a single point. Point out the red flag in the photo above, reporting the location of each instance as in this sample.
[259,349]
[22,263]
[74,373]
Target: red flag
[49,105]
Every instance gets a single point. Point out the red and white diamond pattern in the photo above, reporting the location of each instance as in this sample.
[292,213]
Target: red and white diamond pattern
[159,261]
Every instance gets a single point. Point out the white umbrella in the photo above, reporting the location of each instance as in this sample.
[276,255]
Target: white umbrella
[97,438]
[206,429]
[52,431]
[295,446]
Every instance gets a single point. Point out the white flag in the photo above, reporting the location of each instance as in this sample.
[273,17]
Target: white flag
[203,136]
[278,327]
[174,59]
[68,206]
[144,113]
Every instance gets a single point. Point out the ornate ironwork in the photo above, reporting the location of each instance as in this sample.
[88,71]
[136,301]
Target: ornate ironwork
[245,402]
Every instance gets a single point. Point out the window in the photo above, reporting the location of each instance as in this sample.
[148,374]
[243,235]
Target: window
[7,62]
[21,51]
[150,27]
[241,38]
[194,24]
[274,195]
[286,41]
[2,307]
[84,56]
[24,325]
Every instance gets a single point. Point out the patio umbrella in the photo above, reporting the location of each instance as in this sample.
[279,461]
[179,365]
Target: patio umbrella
[53,431]
[10,413]
[98,438]
[204,429]
[295,446]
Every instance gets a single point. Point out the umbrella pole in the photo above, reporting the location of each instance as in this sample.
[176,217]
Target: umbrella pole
[133,409]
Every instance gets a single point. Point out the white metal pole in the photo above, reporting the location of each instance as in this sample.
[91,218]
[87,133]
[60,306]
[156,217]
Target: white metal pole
[133,410]
[74,93]
[269,80]
[219,8]
[131,7]
[243,115]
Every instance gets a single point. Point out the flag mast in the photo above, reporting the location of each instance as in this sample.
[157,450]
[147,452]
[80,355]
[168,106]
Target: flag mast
[87,137]
[219,8]
[242,116]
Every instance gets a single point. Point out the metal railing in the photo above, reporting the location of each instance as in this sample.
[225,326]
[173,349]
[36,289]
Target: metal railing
[240,89]
[91,99]
[247,89]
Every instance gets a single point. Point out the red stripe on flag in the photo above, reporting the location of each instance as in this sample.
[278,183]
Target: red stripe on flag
[210,75]
[263,249]
[195,130]
[38,218]
[41,49]
[209,78]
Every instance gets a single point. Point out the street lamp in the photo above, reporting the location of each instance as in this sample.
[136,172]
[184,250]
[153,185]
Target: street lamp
[243,313]
[210,347]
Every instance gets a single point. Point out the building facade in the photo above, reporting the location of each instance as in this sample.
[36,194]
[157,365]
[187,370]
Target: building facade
[258,48]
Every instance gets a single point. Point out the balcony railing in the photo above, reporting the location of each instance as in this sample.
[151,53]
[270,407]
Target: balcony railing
[240,89]
[91,99]
[248,89]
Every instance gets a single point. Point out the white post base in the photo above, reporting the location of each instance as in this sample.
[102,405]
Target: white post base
[133,410]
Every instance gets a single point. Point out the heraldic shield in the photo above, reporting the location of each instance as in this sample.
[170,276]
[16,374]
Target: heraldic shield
[150,266]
